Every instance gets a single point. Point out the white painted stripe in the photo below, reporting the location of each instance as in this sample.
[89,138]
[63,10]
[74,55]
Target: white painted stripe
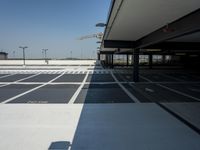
[124,89]
[7,75]
[174,78]
[9,83]
[31,90]
[178,92]
[72,100]
[27,77]
[145,78]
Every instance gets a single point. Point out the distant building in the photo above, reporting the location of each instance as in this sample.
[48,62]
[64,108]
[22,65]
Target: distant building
[3,55]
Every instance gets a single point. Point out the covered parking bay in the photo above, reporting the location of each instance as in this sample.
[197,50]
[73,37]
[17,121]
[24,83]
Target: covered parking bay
[169,29]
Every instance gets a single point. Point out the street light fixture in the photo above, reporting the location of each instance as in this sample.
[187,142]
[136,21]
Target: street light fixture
[45,54]
[101,25]
[23,48]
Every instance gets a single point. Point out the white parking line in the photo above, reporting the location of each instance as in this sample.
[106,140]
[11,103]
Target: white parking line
[145,78]
[124,89]
[31,90]
[14,82]
[72,100]
[176,91]
[7,75]
[174,78]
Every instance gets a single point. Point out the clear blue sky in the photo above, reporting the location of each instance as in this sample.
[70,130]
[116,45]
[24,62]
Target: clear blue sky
[52,24]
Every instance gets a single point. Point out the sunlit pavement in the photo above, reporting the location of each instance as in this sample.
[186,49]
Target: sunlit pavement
[91,108]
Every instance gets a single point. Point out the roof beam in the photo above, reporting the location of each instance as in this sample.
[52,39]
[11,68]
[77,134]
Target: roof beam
[118,44]
[183,26]
[176,46]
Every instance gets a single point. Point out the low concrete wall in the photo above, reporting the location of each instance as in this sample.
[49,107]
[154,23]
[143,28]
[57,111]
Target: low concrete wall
[50,62]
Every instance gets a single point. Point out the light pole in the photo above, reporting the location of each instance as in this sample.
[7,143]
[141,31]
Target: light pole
[13,54]
[71,54]
[45,54]
[23,48]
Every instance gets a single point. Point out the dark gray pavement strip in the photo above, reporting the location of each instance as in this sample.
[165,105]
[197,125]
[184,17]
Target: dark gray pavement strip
[183,76]
[71,78]
[41,78]
[14,77]
[188,111]
[49,94]
[1,75]
[13,90]
[100,78]
[156,93]
[127,78]
[111,93]
[190,89]
[157,77]
[137,126]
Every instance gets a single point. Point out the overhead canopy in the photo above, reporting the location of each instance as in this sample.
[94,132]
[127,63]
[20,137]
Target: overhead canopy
[141,23]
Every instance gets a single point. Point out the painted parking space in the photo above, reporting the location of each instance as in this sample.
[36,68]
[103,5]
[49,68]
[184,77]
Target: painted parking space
[107,93]
[13,90]
[184,76]
[191,89]
[153,93]
[49,94]
[1,75]
[41,78]
[100,78]
[15,77]
[71,78]
[157,77]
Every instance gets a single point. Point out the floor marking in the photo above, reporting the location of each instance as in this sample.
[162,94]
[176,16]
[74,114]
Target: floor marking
[172,77]
[195,90]
[73,98]
[149,90]
[145,78]
[178,92]
[31,90]
[124,89]
[9,83]
[7,75]
[27,77]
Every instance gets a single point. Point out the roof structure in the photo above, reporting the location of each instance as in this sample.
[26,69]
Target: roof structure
[141,24]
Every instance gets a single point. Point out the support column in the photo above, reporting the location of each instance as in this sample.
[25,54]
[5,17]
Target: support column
[150,61]
[127,56]
[112,61]
[163,59]
[136,65]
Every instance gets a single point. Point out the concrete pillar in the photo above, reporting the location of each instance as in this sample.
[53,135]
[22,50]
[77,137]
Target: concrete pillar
[136,65]
[150,61]
[163,59]
[127,56]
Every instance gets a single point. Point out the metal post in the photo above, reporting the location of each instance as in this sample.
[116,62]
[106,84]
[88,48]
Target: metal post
[136,65]
[111,60]
[127,56]
[150,61]
[23,48]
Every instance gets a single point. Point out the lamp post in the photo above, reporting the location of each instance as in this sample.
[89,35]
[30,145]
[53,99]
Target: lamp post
[45,54]
[23,48]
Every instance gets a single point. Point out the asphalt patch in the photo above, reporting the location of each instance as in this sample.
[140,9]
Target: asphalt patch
[71,78]
[106,93]
[100,78]
[41,78]
[14,77]
[49,94]
[9,91]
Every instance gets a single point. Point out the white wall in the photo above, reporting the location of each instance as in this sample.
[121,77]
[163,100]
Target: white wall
[51,62]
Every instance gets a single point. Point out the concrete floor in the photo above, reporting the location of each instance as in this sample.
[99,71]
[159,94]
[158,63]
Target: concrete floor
[88,107]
